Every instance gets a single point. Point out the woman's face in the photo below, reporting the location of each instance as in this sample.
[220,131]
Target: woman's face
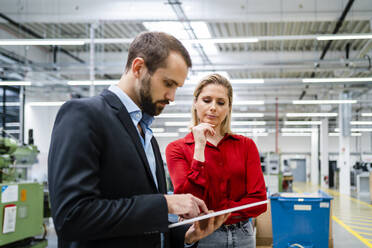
[212,104]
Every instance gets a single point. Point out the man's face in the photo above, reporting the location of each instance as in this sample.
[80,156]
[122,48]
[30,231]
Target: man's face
[157,90]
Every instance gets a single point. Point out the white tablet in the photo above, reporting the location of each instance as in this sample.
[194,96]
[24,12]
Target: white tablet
[229,210]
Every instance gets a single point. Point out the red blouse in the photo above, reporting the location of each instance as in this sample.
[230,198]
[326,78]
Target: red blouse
[229,177]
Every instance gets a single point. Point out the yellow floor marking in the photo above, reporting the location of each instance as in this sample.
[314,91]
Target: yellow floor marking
[351,198]
[364,240]
[364,233]
[360,227]
[357,222]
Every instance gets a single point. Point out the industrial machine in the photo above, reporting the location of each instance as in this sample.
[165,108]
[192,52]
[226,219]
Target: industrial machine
[21,202]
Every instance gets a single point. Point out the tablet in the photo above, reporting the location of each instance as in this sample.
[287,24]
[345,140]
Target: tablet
[225,211]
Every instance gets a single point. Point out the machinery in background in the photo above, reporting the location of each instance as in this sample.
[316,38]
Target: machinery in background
[360,176]
[21,202]
[270,165]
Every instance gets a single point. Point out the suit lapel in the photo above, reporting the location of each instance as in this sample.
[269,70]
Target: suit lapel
[160,174]
[127,122]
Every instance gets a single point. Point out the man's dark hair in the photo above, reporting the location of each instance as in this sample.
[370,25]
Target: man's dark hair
[154,48]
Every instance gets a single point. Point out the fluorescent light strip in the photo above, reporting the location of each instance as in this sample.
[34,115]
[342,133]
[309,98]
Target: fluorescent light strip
[12,131]
[15,83]
[248,123]
[293,123]
[10,104]
[176,123]
[323,101]
[95,82]
[42,104]
[296,134]
[335,80]
[356,129]
[345,37]
[236,103]
[240,103]
[352,134]
[157,130]
[12,124]
[222,40]
[366,114]
[254,134]
[188,115]
[361,122]
[166,135]
[174,115]
[184,130]
[80,42]
[249,130]
[247,81]
[311,114]
[247,115]
[42,42]
[298,130]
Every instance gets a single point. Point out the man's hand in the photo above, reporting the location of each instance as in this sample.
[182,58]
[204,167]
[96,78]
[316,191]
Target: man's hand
[185,205]
[202,228]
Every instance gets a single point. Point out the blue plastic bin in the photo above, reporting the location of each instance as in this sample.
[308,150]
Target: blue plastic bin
[300,219]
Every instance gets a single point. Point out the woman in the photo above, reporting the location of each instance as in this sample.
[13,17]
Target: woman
[217,166]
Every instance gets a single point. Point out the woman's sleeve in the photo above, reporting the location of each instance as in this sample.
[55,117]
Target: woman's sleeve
[255,185]
[186,177]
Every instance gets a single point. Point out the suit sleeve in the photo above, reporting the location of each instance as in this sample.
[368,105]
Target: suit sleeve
[78,208]
[186,177]
[255,185]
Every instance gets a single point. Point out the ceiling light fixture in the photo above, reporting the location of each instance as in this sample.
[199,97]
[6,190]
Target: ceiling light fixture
[247,115]
[174,115]
[249,130]
[296,134]
[336,80]
[42,42]
[345,37]
[159,135]
[239,103]
[338,134]
[46,104]
[311,114]
[15,83]
[323,101]
[293,123]
[248,123]
[176,123]
[297,130]
[247,81]
[361,122]
[356,129]
[89,82]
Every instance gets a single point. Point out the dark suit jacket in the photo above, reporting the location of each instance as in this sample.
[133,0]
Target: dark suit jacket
[101,188]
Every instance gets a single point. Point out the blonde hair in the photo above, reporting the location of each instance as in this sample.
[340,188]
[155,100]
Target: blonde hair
[218,80]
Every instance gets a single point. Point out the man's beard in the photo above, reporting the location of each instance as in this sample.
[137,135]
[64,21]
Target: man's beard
[147,104]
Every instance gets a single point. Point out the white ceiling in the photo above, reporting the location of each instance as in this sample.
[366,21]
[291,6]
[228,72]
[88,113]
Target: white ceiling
[283,63]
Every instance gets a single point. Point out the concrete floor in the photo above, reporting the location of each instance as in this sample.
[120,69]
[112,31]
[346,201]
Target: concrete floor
[351,219]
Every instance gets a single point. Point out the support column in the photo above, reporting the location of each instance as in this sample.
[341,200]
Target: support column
[314,157]
[91,60]
[324,173]
[344,119]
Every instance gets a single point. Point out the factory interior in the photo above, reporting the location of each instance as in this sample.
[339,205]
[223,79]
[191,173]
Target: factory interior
[301,73]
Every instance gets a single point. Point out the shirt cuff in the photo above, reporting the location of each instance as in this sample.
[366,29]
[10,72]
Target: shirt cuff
[189,245]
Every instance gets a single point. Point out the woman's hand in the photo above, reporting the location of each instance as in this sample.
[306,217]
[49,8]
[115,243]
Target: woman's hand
[201,132]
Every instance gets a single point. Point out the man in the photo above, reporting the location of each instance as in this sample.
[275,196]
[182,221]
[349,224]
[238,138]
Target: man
[106,176]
